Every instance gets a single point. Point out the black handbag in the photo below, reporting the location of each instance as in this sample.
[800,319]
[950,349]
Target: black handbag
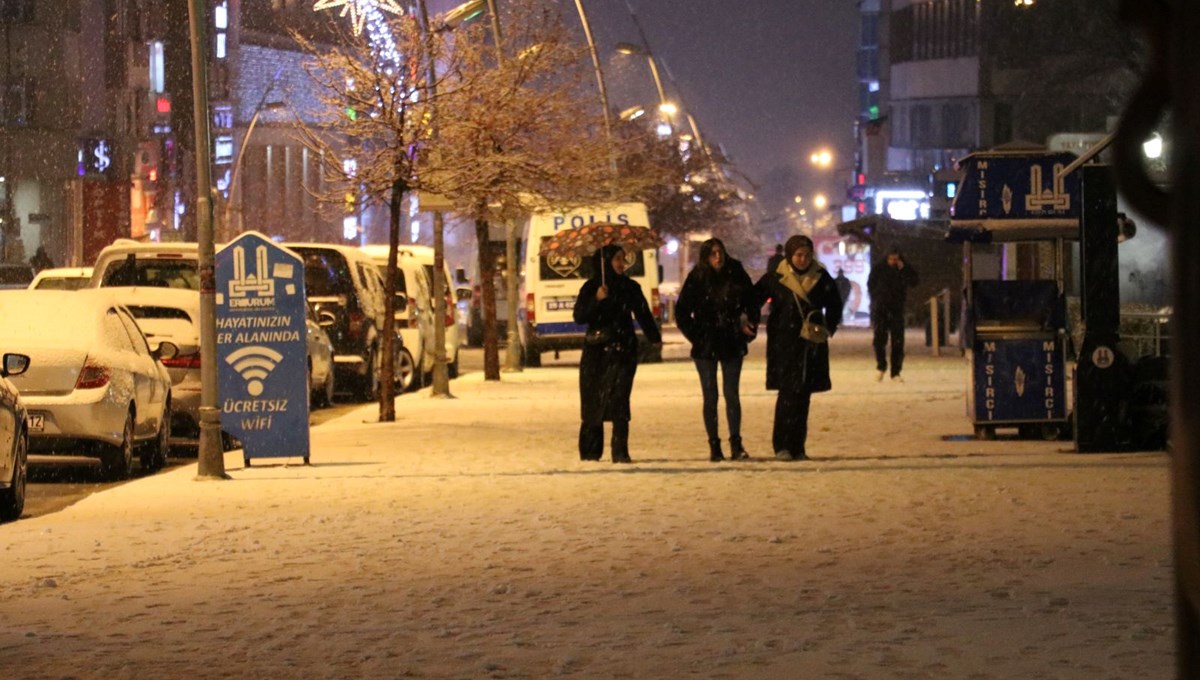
[598,336]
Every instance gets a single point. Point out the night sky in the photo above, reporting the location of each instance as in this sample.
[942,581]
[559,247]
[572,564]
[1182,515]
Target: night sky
[767,80]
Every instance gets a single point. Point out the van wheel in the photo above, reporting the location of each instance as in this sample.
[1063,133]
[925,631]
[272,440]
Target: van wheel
[368,386]
[406,371]
[532,357]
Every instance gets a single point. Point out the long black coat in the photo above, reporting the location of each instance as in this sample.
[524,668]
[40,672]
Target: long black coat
[888,288]
[606,371]
[711,304]
[794,364]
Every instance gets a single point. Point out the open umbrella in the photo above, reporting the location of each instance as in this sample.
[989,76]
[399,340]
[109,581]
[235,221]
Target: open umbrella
[585,240]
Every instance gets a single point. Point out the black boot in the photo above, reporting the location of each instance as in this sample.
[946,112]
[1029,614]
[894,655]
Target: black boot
[714,451]
[736,450]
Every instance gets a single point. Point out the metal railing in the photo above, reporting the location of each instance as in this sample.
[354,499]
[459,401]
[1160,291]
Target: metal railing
[1148,332]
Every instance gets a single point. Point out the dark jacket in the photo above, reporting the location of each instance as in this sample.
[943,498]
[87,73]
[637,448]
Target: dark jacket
[793,363]
[711,306]
[606,371]
[888,287]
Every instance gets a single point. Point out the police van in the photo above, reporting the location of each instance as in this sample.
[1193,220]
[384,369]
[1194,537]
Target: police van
[552,283]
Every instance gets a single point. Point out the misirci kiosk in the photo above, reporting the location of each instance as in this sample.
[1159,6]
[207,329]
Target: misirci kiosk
[1018,215]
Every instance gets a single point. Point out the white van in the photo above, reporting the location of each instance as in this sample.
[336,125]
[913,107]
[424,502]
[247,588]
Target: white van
[551,284]
[414,306]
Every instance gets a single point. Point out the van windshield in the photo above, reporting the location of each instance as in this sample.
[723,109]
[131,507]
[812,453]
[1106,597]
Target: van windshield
[325,273]
[157,273]
[558,268]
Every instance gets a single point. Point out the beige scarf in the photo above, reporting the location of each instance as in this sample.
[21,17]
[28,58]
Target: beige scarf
[800,284]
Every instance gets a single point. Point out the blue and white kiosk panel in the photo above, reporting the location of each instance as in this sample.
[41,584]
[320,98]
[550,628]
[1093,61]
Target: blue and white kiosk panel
[261,351]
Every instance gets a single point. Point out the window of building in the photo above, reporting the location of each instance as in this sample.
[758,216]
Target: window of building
[1002,123]
[934,29]
[158,72]
[955,130]
[16,11]
[921,127]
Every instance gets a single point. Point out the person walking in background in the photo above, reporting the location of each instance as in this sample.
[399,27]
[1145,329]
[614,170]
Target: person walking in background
[717,313]
[607,304]
[774,260]
[799,289]
[844,286]
[888,286]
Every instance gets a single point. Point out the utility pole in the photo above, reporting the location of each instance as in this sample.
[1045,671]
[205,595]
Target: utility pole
[210,457]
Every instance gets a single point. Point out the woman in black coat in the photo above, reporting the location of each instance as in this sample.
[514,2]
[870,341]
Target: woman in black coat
[718,314]
[607,304]
[799,287]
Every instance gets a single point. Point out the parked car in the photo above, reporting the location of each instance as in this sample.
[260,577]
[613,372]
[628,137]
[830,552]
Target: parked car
[424,256]
[414,318]
[345,290]
[14,439]
[159,284]
[94,386]
[62,278]
[14,275]
[322,381]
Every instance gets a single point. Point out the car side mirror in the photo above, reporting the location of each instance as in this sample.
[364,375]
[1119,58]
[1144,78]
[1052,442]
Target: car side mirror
[15,364]
[325,318]
[166,350]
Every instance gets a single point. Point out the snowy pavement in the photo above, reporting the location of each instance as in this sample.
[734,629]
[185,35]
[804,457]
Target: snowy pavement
[466,540]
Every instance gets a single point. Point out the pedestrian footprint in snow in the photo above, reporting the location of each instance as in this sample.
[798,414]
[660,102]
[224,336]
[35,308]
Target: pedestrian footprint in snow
[607,303]
[805,312]
[717,313]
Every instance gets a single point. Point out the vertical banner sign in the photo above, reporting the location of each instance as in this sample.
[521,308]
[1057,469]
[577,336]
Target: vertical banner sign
[261,350]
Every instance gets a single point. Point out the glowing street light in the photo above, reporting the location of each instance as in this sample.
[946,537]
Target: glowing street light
[821,158]
[819,201]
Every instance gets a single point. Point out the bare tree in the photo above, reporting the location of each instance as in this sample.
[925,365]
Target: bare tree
[517,131]
[372,117]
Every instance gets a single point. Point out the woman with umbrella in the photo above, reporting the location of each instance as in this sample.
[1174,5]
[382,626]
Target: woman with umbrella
[607,304]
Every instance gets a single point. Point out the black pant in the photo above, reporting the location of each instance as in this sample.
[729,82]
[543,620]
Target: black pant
[591,441]
[791,422]
[893,326]
[731,375]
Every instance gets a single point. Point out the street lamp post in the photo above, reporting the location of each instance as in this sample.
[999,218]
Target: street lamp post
[210,456]
[227,220]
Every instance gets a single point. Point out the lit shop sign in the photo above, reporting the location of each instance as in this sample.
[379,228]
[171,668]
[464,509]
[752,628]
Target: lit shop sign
[222,149]
[902,204]
[95,157]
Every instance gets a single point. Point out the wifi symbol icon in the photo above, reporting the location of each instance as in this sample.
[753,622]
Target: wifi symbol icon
[254,364]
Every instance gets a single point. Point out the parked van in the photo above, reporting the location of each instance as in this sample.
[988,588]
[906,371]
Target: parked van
[414,308]
[551,284]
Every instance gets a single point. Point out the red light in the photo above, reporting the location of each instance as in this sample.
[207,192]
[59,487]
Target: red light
[185,361]
[162,105]
[91,377]
[862,178]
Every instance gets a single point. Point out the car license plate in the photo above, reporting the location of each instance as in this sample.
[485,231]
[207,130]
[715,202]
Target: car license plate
[37,423]
[556,304]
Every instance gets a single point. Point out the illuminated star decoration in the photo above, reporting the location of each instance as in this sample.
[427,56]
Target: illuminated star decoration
[359,9]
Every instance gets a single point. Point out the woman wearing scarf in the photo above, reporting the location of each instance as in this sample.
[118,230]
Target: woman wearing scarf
[607,304]
[717,313]
[798,289]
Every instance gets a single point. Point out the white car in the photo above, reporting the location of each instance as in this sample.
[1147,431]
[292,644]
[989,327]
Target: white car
[322,381]
[62,278]
[93,386]
[14,439]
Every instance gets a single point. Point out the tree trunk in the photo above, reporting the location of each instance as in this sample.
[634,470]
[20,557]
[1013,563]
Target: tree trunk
[387,343]
[441,377]
[487,291]
[512,357]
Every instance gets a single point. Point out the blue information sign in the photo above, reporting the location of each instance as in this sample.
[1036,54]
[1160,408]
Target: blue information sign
[261,351]
[1017,187]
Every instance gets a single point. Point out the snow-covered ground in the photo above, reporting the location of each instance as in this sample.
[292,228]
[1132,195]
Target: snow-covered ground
[466,540]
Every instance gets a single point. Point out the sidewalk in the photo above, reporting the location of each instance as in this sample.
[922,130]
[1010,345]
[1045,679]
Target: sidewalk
[466,540]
